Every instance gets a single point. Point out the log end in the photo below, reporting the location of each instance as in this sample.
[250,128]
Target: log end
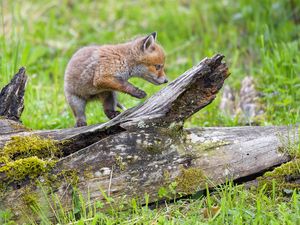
[201,91]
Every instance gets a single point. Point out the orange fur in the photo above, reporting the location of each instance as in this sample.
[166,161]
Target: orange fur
[98,71]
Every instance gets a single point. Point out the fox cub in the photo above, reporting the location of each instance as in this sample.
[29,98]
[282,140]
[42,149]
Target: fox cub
[97,72]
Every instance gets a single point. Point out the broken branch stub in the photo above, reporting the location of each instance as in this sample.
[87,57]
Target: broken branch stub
[12,97]
[183,97]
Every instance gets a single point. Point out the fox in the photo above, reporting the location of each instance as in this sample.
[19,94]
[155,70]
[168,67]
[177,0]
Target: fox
[98,72]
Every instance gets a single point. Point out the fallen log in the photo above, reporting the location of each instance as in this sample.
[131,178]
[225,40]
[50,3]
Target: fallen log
[146,148]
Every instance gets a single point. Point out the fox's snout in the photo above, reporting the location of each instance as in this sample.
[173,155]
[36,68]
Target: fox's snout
[162,80]
[156,78]
[162,76]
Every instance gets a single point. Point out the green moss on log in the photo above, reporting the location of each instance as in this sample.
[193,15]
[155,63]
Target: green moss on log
[119,162]
[27,146]
[30,167]
[30,198]
[190,180]
[283,177]
[27,157]
[4,160]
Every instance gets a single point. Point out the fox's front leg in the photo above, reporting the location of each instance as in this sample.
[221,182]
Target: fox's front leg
[122,86]
[132,90]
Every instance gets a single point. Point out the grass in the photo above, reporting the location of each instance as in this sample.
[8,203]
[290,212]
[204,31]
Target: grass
[258,38]
[42,35]
[228,204]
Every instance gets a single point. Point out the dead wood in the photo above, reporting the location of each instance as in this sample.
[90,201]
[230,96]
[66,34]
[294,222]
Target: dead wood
[146,148]
[12,97]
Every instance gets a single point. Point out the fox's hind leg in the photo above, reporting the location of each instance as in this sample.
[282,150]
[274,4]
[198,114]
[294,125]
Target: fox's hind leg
[110,103]
[77,105]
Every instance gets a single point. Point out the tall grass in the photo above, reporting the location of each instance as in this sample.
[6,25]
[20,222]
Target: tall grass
[228,204]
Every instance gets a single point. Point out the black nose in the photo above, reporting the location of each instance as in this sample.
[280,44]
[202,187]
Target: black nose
[166,81]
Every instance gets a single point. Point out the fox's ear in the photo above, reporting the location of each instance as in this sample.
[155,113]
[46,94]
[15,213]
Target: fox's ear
[149,41]
[154,35]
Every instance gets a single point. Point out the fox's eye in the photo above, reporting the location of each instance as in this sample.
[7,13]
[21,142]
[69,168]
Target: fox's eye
[158,66]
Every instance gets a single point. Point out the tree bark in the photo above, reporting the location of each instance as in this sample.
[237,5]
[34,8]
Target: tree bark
[135,163]
[12,97]
[183,97]
[146,148]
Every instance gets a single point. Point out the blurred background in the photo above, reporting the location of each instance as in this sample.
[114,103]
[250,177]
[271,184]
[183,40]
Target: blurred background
[258,38]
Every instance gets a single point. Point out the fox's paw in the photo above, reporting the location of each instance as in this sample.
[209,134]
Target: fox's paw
[139,94]
[80,123]
[112,114]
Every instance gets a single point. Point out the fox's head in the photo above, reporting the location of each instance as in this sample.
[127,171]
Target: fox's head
[151,60]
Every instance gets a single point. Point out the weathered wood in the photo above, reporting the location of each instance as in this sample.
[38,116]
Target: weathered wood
[146,148]
[141,159]
[12,97]
[133,163]
[183,97]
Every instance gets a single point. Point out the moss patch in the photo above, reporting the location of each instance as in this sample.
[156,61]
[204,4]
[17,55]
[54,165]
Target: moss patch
[175,130]
[27,157]
[284,177]
[71,176]
[119,162]
[26,146]
[154,148]
[29,198]
[3,160]
[29,167]
[87,172]
[190,180]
